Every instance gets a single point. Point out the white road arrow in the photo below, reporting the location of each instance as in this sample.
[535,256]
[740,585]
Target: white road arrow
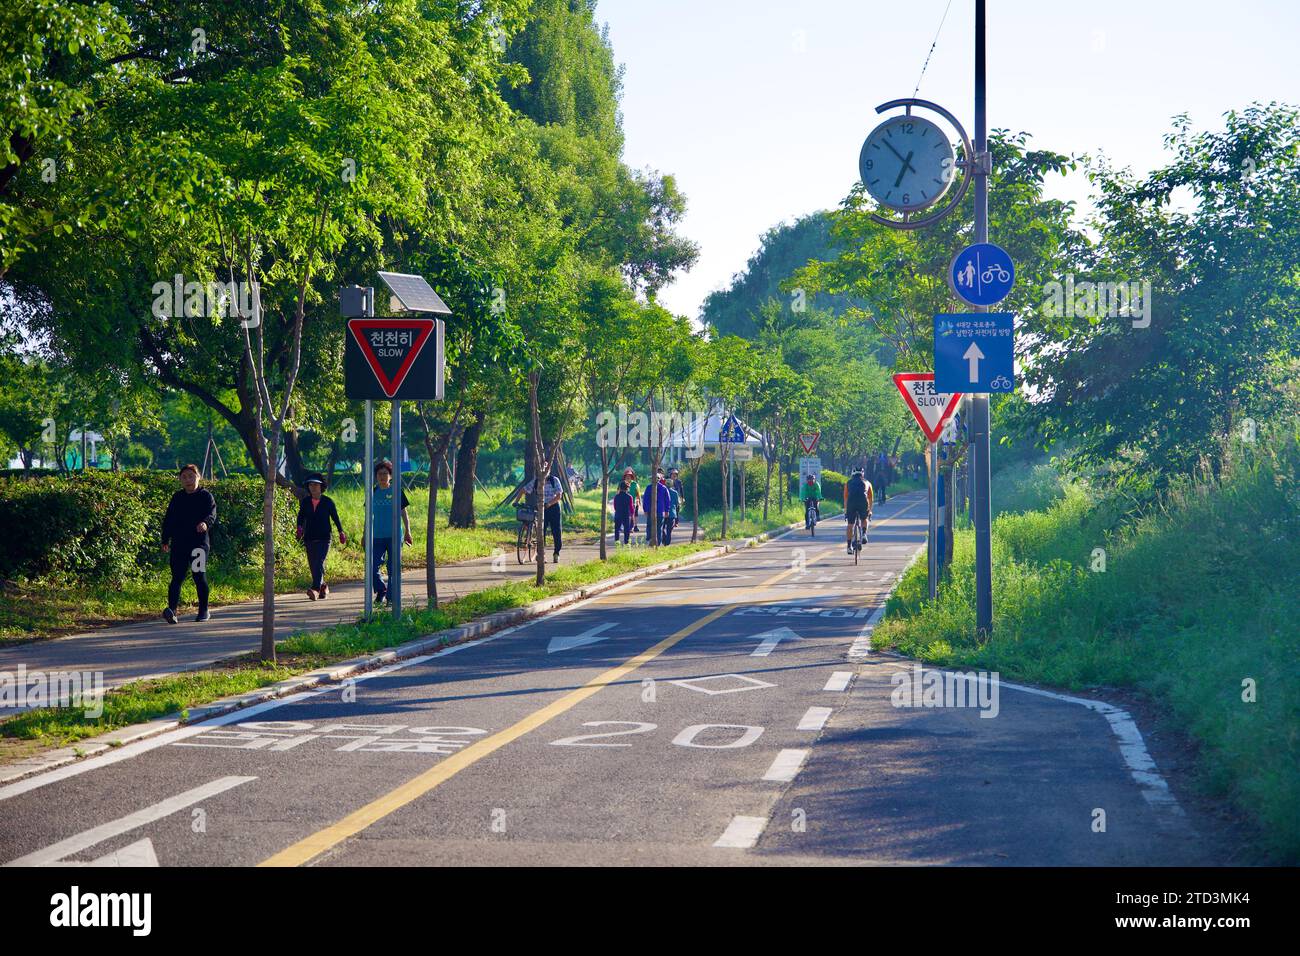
[973,356]
[568,642]
[139,853]
[769,640]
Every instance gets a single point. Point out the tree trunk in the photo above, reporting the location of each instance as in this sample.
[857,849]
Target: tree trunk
[725,471]
[767,488]
[539,490]
[462,514]
[604,497]
[744,470]
[268,552]
[293,462]
[431,519]
[695,499]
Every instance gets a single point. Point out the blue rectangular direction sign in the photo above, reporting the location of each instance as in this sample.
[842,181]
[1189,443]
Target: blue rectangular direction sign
[974,352]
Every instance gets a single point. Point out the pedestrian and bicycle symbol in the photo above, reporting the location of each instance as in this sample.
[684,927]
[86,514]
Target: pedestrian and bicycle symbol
[982,274]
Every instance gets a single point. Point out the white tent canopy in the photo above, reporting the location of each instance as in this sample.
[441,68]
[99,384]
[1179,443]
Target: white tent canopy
[704,430]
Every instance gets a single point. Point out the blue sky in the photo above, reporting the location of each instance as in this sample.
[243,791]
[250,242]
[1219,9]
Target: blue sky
[759,107]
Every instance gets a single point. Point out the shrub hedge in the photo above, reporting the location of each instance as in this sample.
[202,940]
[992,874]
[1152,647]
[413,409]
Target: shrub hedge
[106,526]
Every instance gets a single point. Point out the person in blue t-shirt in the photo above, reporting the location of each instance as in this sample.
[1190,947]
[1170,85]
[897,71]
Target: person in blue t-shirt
[382,526]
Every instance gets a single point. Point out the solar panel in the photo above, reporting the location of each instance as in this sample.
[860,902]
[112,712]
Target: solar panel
[414,294]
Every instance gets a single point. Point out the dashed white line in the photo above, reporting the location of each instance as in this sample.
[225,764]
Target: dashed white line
[88,838]
[839,680]
[814,719]
[741,833]
[786,765]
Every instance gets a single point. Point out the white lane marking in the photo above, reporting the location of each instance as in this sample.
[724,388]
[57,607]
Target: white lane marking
[839,680]
[152,743]
[106,831]
[1142,768]
[564,642]
[181,733]
[814,719]
[741,833]
[769,640]
[746,683]
[786,765]
[132,750]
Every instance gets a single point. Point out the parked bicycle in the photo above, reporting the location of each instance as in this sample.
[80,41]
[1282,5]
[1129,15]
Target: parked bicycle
[526,537]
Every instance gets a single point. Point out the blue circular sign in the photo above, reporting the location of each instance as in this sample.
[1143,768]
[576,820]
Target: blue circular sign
[982,274]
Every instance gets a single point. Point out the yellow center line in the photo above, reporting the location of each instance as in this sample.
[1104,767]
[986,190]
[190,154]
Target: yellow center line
[308,848]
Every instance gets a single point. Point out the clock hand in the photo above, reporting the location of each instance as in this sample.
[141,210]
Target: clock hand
[907,164]
[892,150]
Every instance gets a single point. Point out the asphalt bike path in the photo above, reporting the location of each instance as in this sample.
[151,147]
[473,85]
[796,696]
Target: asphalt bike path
[727,712]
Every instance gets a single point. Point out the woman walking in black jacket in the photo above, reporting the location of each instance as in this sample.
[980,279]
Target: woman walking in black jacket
[315,512]
[190,515]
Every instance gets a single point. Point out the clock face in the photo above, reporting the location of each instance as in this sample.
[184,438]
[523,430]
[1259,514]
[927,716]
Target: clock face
[907,163]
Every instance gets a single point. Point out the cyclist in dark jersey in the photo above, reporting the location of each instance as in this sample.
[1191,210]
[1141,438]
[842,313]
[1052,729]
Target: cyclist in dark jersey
[858,496]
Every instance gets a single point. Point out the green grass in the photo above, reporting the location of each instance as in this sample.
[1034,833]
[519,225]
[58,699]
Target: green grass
[1200,593]
[146,700]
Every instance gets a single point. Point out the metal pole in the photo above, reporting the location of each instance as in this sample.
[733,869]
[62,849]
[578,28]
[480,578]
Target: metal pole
[368,478]
[980,403]
[395,579]
[933,548]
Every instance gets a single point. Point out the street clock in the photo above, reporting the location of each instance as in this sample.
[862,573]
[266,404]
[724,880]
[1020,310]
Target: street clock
[907,163]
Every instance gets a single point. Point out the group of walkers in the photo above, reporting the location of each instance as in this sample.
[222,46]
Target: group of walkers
[192,513]
[629,501]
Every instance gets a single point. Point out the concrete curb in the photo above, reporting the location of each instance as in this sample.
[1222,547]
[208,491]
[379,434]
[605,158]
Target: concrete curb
[479,627]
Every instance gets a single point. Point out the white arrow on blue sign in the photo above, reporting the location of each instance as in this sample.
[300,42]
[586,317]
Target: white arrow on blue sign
[974,352]
[982,274]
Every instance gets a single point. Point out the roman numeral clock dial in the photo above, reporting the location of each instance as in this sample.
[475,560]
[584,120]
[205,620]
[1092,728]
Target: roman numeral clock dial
[907,163]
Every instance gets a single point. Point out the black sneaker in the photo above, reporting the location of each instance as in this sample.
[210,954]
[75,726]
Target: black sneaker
[169,616]
[205,616]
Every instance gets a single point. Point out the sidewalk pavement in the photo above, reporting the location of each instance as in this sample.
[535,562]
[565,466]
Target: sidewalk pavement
[153,648]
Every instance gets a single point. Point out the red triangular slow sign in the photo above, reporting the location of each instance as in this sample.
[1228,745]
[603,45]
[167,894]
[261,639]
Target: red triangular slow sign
[391,346]
[930,408]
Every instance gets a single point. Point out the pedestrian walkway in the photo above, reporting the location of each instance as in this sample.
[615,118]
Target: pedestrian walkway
[128,652]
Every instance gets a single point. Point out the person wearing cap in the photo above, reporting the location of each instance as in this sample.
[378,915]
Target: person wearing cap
[190,515]
[552,493]
[381,526]
[315,512]
[630,477]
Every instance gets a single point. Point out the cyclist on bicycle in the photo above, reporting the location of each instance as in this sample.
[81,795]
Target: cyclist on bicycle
[858,496]
[811,491]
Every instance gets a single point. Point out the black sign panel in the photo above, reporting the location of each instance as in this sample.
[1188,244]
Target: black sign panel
[399,359]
